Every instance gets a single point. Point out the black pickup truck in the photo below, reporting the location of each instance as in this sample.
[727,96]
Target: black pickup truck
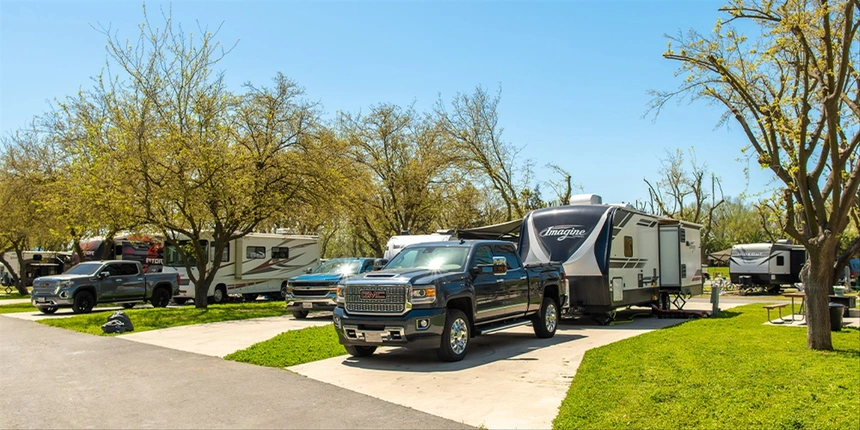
[439,295]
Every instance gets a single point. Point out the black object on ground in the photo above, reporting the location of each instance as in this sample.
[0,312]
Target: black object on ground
[118,322]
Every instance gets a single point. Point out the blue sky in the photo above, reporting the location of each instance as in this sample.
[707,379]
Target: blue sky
[574,74]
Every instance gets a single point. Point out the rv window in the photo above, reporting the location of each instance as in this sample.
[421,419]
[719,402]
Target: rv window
[280,252]
[509,254]
[628,246]
[780,260]
[225,256]
[255,252]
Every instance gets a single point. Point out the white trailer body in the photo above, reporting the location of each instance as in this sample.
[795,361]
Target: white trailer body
[615,256]
[259,263]
[766,264]
[396,243]
[36,264]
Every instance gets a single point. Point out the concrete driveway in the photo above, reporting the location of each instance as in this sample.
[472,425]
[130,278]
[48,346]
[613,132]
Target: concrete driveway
[510,379]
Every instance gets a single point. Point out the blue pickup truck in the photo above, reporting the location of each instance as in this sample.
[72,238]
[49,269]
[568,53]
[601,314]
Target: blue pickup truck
[317,289]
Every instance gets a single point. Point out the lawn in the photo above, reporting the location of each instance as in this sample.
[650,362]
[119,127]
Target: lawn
[17,307]
[728,372]
[292,347]
[157,318]
[12,295]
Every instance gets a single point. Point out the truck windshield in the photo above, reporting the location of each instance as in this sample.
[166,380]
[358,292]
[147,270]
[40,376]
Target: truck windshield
[84,269]
[346,267]
[430,257]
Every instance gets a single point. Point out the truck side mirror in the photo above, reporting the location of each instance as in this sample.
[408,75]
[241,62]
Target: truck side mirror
[500,266]
[309,270]
[104,274]
[379,263]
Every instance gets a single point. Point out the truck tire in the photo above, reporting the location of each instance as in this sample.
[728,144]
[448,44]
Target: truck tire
[546,321]
[220,295]
[160,298]
[84,302]
[180,301]
[48,310]
[300,315]
[360,351]
[455,336]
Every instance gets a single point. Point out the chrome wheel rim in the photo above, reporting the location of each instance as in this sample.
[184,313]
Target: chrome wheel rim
[218,295]
[459,336]
[551,317]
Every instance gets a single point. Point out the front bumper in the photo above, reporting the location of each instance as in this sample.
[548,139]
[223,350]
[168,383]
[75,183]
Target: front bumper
[326,302]
[405,330]
[44,300]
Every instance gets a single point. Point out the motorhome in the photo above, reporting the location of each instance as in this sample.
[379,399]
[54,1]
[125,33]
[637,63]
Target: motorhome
[256,264]
[396,243]
[34,265]
[615,256]
[766,265]
[145,249]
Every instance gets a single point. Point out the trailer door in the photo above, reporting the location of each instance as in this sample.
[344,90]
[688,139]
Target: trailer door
[670,256]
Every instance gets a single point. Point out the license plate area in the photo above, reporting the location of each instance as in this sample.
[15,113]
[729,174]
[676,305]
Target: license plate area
[373,337]
[308,305]
[41,300]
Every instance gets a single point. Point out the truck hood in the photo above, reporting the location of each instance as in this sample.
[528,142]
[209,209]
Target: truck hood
[403,276]
[321,278]
[60,278]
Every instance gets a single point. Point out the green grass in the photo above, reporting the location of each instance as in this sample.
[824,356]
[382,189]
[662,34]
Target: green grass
[292,347]
[719,373]
[713,271]
[17,307]
[158,318]
[13,295]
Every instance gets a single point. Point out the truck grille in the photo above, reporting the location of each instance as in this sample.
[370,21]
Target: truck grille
[44,287]
[376,299]
[310,293]
[311,289]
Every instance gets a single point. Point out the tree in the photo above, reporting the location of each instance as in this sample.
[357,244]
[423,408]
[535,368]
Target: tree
[684,195]
[202,165]
[794,91]
[473,126]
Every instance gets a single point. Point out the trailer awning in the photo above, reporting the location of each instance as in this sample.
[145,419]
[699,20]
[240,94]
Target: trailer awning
[505,231]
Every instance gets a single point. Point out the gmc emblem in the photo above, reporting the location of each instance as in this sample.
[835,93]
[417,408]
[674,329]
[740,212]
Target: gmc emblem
[373,295]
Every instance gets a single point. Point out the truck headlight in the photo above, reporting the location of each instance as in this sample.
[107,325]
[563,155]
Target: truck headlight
[340,291]
[61,285]
[423,294]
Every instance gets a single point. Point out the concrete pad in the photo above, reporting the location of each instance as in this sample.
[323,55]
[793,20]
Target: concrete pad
[510,379]
[222,338]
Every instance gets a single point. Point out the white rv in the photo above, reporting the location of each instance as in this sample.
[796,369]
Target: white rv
[35,264]
[766,264]
[615,256]
[257,264]
[396,243]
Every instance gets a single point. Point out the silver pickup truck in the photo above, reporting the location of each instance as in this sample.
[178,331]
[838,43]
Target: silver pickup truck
[116,281]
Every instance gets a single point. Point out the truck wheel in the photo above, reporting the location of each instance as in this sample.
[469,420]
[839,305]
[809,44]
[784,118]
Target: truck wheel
[128,305]
[220,295]
[84,302]
[360,351]
[180,301]
[300,315]
[546,321]
[249,297]
[160,298]
[48,310]
[455,336]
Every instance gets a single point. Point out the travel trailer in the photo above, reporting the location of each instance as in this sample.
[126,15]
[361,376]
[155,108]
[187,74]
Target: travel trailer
[34,265]
[256,264]
[147,250]
[615,256]
[396,243]
[766,264]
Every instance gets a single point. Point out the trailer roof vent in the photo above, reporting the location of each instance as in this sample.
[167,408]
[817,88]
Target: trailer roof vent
[585,199]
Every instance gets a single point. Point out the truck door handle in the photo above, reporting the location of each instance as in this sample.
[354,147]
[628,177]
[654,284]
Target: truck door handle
[140,279]
[119,280]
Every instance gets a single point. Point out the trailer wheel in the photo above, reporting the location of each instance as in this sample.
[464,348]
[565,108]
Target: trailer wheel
[360,351]
[546,321]
[283,293]
[300,315]
[84,302]
[455,336]
[773,289]
[220,295]
[48,310]
[180,301]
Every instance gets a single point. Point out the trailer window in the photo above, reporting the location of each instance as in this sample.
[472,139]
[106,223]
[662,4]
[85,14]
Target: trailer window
[280,252]
[225,256]
[255,252]
[780,260]
[628,246]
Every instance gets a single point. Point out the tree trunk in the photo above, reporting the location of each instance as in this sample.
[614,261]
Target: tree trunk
[819,282]
[201,293]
